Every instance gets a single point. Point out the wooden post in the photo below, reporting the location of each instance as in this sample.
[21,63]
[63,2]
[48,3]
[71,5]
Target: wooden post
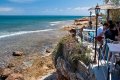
[108,15]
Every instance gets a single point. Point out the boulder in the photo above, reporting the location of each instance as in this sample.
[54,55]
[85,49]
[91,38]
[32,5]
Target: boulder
[6,72]
[17,53]
[15,76]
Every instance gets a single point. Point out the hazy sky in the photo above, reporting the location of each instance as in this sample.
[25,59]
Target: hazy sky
[47,7]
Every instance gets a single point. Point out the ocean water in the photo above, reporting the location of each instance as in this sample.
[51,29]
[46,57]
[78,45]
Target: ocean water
[17,25]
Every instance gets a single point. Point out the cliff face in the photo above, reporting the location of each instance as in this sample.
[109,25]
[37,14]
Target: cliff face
[71,60]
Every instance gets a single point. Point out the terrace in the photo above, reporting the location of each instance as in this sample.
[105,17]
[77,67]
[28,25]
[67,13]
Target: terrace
[106,60]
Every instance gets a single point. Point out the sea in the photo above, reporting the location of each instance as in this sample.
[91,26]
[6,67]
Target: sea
[18,25]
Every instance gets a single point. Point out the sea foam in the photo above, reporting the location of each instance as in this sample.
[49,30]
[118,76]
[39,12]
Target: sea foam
[23,32]
[55,23]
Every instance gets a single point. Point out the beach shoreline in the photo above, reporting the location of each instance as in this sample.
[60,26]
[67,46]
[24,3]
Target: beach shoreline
[30,43]
[34,45]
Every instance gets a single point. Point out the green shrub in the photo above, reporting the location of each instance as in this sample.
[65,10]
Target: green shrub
[76,52]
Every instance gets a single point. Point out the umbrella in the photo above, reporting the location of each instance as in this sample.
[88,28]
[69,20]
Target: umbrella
[118,7]
[108,6]
[92,8]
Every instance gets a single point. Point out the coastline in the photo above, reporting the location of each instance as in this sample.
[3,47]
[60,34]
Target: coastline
[33,45]
[55,25]
[29,43]
[36,46]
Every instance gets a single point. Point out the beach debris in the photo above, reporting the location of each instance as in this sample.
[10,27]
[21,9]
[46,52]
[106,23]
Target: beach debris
[15,76]
[17,53]
[6,72]
[48,50]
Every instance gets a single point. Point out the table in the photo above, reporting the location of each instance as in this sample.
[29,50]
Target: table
[88,30]
[113,49]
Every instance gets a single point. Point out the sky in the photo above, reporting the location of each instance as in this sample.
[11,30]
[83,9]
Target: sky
[47,7]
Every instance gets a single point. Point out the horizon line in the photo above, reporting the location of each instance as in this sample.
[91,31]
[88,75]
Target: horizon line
[41,15]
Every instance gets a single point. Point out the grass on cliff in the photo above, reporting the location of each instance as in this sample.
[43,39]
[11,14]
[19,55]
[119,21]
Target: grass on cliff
[69,49]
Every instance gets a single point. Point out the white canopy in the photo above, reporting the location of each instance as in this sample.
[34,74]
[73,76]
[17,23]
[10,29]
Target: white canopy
[108,5]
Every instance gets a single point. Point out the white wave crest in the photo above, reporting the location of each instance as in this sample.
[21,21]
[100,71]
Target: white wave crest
[23,32]
[55,23]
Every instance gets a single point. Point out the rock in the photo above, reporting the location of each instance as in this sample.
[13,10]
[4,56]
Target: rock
[6,72]
[15,76]
[79,76]
[63,69]
[48,50]
[10,65]
[72,76]
[67,62]
[1,70]
[17,53]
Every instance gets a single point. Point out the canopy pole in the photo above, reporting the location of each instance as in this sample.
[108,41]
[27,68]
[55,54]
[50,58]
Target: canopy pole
[108,14]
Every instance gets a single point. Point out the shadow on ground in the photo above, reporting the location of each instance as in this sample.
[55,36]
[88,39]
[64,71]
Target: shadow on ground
[101,73]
